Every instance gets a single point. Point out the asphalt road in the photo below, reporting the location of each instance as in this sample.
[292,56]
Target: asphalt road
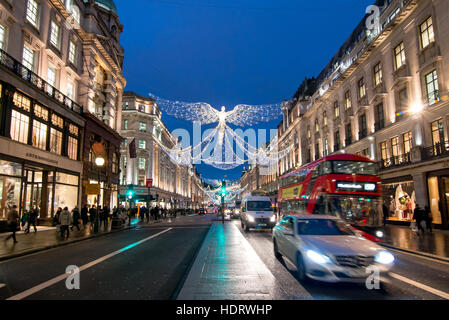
[151,261]
[414,277]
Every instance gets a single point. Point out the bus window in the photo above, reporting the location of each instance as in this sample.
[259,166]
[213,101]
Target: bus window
[355,167]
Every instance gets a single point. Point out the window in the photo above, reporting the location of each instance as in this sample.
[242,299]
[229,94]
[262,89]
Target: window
[125,162]
[19,127]
[432,91]
[72,53]
[337,140]
[125,124]
[41,112]
[142,163]
[57,121]
[39,137]
[336,109]
[142,127]
[142,144]
[426,32]
[395,148]
[141,108]
[347,100]
[308,132]
[75,11]
[379,117]
[55,38]
[407,142]
[402,103]
[324,118]
[28,57]
[348,134]
[437,132]
[72,149]
[384,151]
[55,141]
[70,90]
[114,163]
[317,126]
[51,77]
[33,13]
[377,74]
[2,37]
[399,56]
[21,102]
[74,130]
[325,147]
[363,127]
[362,88]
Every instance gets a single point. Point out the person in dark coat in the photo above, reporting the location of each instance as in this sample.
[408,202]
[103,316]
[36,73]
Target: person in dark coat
[385,213]
[56,217]
[418,216]
[75,218]
[92,215]
[32,219]
[85,215]
[428,218]
[106,214]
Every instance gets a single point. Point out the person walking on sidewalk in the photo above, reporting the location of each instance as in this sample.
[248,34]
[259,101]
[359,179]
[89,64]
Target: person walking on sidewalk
[418,216]
[24,220]
[13,220]
[64,220]
[32,220]
[56,217]
[75,218]
[85,215]
[92,214]
[428,217]
[385,214]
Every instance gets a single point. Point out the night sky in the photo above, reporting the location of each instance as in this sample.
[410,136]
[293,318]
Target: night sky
[227,52]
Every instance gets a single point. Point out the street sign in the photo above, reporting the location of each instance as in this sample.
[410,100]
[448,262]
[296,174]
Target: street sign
[149,183]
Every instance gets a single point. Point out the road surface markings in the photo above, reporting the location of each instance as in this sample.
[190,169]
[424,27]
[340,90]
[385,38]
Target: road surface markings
[436,292]
[53,281]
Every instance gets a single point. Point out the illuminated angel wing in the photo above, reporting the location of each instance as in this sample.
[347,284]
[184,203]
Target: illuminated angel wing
[245,115]
[199,111]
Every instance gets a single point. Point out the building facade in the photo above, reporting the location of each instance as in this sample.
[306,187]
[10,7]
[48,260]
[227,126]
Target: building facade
[384,95]
[50,51]
[173,186]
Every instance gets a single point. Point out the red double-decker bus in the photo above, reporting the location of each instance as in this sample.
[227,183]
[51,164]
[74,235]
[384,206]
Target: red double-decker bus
[343,185]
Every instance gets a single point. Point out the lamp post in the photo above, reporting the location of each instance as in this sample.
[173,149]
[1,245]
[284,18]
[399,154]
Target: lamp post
[99,162]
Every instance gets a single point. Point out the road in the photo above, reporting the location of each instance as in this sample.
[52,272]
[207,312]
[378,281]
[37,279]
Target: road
[151,262]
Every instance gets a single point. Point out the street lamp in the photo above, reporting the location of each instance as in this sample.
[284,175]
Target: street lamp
[99,162]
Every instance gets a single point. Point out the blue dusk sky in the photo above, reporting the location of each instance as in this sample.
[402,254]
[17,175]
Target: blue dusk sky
[227,52]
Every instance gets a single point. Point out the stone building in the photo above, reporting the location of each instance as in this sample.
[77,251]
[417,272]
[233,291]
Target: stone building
[173,185]
[60,65]
[384,95]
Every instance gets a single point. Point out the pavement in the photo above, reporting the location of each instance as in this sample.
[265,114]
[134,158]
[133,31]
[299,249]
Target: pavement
[434,244]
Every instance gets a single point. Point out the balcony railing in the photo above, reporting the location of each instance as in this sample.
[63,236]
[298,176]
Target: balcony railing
[33,79]
[436,151]
[396,161]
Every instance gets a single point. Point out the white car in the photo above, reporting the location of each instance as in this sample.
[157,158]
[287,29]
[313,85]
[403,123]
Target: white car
[325,248]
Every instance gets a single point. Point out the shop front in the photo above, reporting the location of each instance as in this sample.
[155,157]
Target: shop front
[399,197]
[438,189]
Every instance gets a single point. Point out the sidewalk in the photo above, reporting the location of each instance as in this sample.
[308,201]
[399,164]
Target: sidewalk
[47,238]
[436,243]
[228,268]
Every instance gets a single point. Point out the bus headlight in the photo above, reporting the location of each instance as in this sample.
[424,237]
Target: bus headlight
[251,218]
[273,218]
[384,257]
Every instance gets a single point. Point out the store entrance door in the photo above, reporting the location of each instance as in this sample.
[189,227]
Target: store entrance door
[35,191]
[445,207]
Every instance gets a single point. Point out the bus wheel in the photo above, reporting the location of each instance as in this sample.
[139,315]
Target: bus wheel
[300,268]
[276,250]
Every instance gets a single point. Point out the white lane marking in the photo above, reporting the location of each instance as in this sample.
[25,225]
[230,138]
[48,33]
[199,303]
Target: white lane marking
[191,215]
[53,281]
[421,286]
[419,256]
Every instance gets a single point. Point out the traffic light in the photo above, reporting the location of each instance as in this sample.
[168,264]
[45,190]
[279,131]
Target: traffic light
[223,191]
[130,192]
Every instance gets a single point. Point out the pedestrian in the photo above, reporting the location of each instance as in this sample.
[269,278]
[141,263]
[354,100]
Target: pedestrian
[24,220]
[56,217]
[147,214]
[85,215]
[32,219]
[75,218]
[92,215]
[64,220]
[141,213]
[418,216]
[428,218]
[13,221]
[385,214]
[106,215]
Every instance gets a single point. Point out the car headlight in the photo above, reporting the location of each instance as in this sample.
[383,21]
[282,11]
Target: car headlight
[379,234]
[273,218]
[318,257]
[251,219]
[384,257]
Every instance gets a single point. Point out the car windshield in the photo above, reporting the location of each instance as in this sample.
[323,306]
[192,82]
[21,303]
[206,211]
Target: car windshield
[355,167]
[259,206]
[323,227]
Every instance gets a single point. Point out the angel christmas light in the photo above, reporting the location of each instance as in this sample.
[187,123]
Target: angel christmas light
[222,138]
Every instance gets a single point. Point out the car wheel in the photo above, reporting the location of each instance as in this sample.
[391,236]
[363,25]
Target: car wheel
[276,250]
[300,268]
